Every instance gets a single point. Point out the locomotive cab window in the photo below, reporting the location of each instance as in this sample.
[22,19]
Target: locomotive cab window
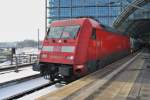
[93,36]
[63,31]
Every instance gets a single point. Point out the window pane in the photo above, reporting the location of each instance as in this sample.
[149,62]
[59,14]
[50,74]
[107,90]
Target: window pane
[77,2]
[90,11]
[54,3]
[77,12]
[65,3]
[65,12]
[63,32]
[55,32]
[53,12]
[70,31]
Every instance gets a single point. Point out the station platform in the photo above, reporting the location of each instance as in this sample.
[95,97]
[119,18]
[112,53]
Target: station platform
[126,79]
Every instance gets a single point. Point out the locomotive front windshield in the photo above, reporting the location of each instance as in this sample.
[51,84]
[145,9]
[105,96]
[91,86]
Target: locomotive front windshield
[63,31]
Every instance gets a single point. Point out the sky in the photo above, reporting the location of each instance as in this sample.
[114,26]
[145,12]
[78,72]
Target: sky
[20,20]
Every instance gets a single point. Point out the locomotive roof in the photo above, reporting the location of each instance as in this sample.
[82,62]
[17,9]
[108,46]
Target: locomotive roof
[74,21]
[95,23]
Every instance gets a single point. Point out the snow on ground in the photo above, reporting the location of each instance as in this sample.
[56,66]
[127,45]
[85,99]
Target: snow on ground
[39,93]
[5,63]
[13,75]
[21,87]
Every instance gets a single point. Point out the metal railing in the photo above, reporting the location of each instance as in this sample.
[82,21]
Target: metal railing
[24,58]
[19,60]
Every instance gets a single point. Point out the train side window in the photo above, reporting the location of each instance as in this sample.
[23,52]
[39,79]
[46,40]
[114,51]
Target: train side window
[93,36]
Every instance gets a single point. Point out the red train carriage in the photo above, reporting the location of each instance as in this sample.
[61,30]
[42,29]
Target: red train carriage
[73,48]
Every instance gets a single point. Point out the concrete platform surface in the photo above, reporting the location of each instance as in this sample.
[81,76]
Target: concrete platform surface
[99,86]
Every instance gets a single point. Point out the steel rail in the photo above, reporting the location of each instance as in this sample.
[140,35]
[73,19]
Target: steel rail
[17,96]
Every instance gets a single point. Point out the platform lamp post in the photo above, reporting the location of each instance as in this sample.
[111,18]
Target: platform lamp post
[46,16]
[38,44]
[14,53]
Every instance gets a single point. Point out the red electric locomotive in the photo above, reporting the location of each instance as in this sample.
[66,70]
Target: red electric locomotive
[73,48]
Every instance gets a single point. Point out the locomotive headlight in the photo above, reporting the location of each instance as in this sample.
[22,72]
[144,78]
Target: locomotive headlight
[80,66]
[70,57]
[43,55]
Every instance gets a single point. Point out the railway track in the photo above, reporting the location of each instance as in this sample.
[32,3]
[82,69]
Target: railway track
[14,66]
[18,87]
[8,88]
[83,88]
[13,69]
[8,78]
[17,81]
[27,87]
[19,95]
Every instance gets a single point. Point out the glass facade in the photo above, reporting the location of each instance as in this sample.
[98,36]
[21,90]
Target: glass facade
[103,10]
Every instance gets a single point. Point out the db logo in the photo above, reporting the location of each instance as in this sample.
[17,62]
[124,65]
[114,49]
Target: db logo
[57,48]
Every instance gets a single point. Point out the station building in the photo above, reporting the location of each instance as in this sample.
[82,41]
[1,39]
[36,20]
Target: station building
[105,11]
